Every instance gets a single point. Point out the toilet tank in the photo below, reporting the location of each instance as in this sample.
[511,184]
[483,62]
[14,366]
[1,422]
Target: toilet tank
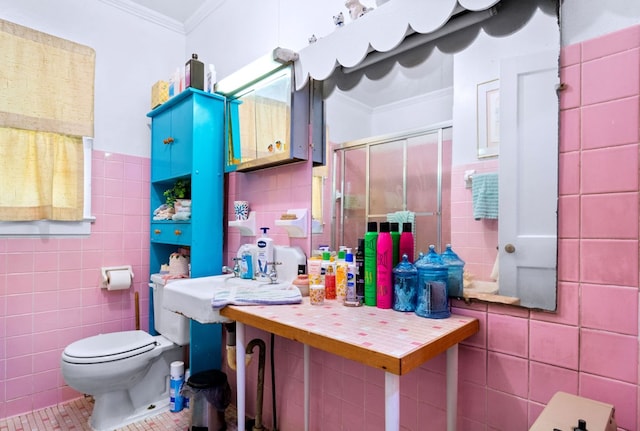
[173,326]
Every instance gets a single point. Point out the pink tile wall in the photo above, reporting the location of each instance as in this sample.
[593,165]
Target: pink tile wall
[49,294]
[270,192]
[474,240]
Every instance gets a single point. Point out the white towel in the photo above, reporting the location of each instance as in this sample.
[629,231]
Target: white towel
[266,294]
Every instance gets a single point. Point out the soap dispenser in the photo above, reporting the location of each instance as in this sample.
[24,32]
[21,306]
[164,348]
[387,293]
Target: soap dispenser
[265,252]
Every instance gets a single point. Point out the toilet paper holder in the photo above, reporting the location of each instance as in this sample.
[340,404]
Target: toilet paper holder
[104,271]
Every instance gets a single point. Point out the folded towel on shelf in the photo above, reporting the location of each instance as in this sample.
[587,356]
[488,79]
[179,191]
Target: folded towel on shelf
[267,295]
[401,217]
[485,196]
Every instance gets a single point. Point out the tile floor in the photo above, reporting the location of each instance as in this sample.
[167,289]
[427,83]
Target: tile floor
[74,415]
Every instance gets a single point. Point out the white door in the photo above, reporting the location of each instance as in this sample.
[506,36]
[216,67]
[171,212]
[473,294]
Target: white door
[527,234]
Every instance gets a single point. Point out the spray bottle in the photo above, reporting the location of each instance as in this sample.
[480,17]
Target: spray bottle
[176,381]
[360,271]
[384,276]
[370,259]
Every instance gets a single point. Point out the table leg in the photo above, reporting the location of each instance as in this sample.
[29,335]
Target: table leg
[307,398]
[452,387]
[241,375]
[391,401]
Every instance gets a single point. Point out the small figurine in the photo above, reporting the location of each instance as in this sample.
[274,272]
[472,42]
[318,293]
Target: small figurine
[356,9]
[338,20]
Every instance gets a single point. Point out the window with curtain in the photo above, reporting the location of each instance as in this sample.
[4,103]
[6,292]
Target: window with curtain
[46,108]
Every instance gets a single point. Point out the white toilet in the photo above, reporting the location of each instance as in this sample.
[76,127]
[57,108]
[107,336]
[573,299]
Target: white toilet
[128,372]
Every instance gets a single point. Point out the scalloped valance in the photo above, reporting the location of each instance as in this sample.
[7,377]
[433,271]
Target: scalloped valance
[382,30]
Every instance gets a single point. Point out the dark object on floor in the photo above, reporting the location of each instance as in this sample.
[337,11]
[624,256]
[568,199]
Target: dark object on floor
[210,395]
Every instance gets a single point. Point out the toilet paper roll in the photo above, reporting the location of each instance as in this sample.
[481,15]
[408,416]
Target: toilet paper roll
[118,279]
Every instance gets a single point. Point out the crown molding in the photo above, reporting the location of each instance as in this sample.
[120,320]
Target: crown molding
[147,14]
[203,11]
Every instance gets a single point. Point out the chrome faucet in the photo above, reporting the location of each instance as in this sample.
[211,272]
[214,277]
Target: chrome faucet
[272,275]
[235,270]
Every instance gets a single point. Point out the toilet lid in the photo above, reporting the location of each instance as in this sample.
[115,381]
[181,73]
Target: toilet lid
[109,347]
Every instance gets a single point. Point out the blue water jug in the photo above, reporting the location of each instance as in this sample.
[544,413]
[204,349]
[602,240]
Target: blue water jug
[405,280]
[455,268]
[432,296]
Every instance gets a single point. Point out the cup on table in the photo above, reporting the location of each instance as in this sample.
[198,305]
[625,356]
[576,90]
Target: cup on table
[316,294]
[241,210]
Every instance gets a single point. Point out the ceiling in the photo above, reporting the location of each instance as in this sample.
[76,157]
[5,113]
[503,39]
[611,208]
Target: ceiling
[180,10]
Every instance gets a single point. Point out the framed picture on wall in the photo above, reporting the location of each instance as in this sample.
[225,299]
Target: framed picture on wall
[488,118]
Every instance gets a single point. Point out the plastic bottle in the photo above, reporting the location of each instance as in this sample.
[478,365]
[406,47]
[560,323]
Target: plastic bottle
[394,229]
[330,281]
[351,298]
[265,252]
[384,261]
[324,263]
[455,268]
[314,264]
[341,276]
[360,271]
[194,73]
[432,298]
[406,241]
[370,258]
[175,385]
[210,86]
[174,83]
[246,264]
[405,281]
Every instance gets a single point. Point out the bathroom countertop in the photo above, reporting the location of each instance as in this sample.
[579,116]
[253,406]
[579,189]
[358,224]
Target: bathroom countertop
[393,341]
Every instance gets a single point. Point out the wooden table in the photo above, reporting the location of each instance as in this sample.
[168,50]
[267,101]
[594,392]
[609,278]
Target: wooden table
[392,341]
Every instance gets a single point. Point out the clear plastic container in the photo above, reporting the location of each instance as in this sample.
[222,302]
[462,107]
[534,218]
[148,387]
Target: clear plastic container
[432,296]
[455,268]
[405,282]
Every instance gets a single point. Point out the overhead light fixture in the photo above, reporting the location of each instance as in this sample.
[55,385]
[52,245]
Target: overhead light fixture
[458,23]
[256,70]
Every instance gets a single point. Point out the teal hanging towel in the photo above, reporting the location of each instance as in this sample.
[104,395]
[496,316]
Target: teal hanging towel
[485,196]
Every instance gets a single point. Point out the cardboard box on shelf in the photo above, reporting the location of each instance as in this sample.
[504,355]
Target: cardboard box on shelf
[159,93]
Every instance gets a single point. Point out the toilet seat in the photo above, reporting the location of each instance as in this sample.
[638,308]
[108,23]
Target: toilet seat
[109,347]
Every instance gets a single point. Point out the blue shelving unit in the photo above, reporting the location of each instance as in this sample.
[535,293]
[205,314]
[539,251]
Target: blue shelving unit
[187,142]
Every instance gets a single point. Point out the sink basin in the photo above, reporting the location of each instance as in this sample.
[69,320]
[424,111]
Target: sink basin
[192,297]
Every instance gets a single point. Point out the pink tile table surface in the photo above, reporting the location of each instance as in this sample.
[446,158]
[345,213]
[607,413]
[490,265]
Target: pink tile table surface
[390,340]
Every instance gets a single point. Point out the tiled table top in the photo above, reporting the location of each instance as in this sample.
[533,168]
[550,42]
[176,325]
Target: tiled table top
[393,341]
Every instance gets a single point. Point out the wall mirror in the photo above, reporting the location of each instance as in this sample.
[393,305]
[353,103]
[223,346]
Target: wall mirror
[407,137]
[263,120]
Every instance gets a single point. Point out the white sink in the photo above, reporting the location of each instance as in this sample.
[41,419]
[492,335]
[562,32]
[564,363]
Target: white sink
[192,297]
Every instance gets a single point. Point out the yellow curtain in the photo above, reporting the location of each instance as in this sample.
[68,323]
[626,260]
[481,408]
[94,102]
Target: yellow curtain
[46,83]
[46,106]
[42,176]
